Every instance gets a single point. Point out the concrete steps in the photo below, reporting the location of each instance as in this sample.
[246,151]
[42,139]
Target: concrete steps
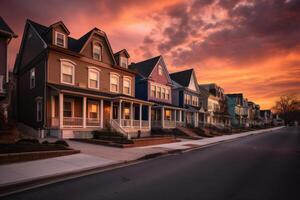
[189,132]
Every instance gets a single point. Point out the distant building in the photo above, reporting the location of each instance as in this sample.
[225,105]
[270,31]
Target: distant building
[267,117]
[235,104]
[217,113]
[6,35]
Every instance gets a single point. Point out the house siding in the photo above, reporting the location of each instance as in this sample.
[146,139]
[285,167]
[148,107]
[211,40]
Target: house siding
[27,97]
[3,56]
[81,72]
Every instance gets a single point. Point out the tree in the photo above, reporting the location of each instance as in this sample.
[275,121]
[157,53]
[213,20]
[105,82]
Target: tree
[288,108]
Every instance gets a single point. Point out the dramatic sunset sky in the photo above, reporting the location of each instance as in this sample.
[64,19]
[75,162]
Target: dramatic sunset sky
[243,45]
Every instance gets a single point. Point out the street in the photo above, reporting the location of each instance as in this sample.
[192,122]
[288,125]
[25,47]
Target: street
[260,167]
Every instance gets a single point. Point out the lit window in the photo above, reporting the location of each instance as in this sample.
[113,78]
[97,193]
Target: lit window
[60,39]
[32,78]
[126,86]
[123,62]
[39,110]
[188,99]
[93,110]
[93,79]
[114,83]
[168,94]
[97,52]
[158,90]
[160,70]
[153,91]
[126,113]
[67,73]
[168,115]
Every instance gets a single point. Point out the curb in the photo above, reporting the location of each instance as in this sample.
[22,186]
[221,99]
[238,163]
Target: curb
[11,188]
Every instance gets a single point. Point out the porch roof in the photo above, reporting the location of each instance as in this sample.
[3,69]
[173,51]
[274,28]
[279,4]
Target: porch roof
[93,93]
[166,105]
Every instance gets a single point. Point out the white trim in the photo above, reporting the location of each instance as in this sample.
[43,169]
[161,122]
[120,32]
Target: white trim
[70,64]
[101,48]
[55,39]
[130,82]
[120,61]
[72,106]
[118,82]
[160,86]
[94,69]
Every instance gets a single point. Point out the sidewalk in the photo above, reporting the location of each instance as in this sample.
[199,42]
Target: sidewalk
[98,157]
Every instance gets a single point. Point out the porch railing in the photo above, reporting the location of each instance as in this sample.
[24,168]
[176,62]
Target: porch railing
[73,121]
[135,123]
[169,123]
[54,121]
[156,123]
[92,122]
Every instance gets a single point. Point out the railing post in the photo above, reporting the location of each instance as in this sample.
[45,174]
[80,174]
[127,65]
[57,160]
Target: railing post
[120,112]
[61,110]
[84,112]
[101,113]
[131,114]
[141,116]
[163,117]
[111,110]
[149,116]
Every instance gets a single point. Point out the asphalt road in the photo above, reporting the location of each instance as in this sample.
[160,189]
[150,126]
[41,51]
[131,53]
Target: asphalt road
[265,166]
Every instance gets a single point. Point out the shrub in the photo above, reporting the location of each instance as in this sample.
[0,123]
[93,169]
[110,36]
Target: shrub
[61,142]
[45,142]
[28,141]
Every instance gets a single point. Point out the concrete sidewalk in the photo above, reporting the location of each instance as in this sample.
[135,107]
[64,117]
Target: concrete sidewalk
[98,157]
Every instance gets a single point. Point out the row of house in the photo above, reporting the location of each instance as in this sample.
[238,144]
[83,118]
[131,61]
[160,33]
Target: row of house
[67,87]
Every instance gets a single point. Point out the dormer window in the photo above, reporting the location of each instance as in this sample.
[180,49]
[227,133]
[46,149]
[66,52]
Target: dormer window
[97,52]
[60,39]
[123,62]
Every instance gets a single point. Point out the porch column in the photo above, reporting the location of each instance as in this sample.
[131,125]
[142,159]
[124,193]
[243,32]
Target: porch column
[196,119]
[101,113]
[120,112]
[149,116]
[175,117]
[131,114]
[84,112]
[163,117]
[180,115]
[52,107]
[141,116]
[61,110]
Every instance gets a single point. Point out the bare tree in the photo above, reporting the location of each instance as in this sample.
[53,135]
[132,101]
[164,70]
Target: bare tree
[288,108]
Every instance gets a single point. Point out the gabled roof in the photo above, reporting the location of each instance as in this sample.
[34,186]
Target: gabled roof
[75,45]
[203,90]
[60,23]
[5,29]
[145,67]
[122,51]
[182,77]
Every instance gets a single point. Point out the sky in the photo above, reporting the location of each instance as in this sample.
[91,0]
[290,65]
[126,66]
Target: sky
[244,46]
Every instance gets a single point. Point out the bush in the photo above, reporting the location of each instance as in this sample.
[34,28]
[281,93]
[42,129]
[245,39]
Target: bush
[45,142]
[28,141]
[61,142]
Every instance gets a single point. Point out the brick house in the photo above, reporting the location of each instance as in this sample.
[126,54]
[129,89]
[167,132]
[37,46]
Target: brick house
[69,87]
[6,35]
[153,83]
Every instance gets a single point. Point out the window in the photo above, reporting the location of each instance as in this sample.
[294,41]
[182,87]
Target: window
[163,93]
[114,83]
[39,110]
[126,86]
[123,62]
[32,78]
[188,98]
[93,79]
[168,115]
[67,72]
[97,52]
[60,39]
[160,70]
[68,108]
[167,94]
[194,100]
[93,108]
[153,90]
[126,113]
[158,90]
